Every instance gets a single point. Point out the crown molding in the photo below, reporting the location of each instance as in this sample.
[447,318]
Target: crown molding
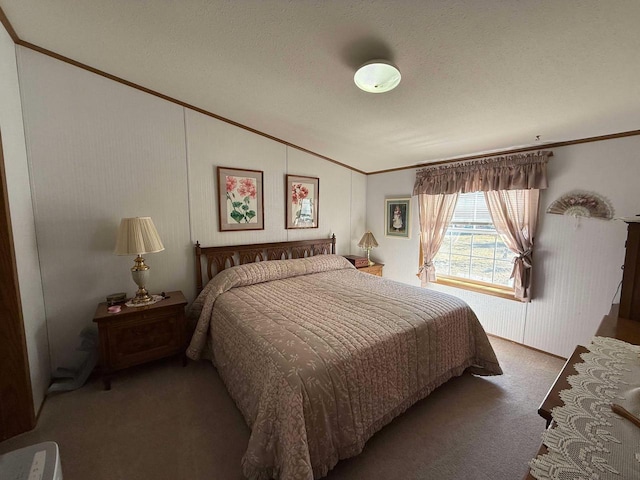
[8,27]
[511,151]
[18,41]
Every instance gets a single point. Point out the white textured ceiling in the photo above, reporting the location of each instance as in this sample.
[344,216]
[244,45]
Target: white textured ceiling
[477,75]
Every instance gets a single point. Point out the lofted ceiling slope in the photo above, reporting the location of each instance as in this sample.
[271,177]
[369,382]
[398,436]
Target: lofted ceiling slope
[477,76]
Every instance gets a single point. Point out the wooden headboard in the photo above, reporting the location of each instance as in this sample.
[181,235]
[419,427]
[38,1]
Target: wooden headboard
[216,259]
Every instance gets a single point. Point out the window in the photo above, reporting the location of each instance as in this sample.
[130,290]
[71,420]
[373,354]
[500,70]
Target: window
[512,184]
[472,249]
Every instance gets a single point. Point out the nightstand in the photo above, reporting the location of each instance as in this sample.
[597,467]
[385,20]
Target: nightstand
[138,335]
[375,269]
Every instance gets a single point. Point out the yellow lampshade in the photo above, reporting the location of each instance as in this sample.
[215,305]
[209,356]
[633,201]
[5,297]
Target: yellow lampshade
[136,236]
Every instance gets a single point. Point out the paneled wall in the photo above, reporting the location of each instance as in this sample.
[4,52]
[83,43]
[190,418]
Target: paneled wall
[578,262]
[212,143]
[99,151]
[22,220]
[581,260]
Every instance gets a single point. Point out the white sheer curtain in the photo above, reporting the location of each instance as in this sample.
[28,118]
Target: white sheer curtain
[436,212]
[515,216]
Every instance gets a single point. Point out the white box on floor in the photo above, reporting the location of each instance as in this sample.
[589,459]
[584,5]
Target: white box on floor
[36,462]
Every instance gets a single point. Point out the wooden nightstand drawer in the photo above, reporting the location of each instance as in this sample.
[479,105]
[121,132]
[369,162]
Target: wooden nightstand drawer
[155,313]
[141,340]
[375,269]
[140,334]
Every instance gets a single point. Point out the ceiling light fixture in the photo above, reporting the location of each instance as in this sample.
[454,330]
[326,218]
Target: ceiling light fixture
[377,76]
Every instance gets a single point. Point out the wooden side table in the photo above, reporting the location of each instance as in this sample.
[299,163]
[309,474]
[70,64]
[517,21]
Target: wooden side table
[611,326]
[138,335]
[375,269]
[552,398]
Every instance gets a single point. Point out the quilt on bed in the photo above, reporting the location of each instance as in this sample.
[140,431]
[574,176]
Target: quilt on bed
[319,356]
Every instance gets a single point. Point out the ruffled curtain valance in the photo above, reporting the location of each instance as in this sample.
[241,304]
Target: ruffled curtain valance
[512,172]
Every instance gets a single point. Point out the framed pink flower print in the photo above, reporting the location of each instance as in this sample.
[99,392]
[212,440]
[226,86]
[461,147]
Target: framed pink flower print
[240,199]
[302,202]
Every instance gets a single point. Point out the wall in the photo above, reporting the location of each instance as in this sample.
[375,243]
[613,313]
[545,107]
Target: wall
[22,220]
[578,263]
[100,150]
[212,142]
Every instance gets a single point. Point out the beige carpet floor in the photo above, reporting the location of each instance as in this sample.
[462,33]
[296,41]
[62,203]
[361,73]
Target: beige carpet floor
[164,422]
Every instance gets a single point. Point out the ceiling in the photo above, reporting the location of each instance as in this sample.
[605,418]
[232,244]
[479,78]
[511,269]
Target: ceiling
[477,76]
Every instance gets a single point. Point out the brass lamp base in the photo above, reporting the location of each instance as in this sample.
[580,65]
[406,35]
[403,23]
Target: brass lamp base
[371,264]
[142,296]
[140,274]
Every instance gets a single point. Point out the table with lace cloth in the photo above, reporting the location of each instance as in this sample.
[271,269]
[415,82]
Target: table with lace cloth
[589,441]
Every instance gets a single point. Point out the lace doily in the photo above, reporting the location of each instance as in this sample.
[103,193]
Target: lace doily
[154,299]
[589,440]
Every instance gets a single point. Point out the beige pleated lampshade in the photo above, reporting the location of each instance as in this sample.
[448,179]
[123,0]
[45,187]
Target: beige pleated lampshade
[136,236]
[368,241]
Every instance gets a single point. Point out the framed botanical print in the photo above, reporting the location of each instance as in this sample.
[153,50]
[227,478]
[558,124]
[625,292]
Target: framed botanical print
[302,197]
[240,199]
[397,217]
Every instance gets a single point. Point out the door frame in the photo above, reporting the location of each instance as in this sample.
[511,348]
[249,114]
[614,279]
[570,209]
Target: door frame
[17,413]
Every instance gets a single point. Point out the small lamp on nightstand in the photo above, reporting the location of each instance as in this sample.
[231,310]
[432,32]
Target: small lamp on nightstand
[367,242]
[137,236]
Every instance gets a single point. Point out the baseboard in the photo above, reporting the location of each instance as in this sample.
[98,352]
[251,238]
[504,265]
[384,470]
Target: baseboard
[527,346]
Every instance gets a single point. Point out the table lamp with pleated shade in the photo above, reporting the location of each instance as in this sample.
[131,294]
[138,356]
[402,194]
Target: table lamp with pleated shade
[137,236]
[367,242]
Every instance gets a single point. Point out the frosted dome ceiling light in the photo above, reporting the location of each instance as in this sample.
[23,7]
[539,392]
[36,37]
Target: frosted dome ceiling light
[377,76]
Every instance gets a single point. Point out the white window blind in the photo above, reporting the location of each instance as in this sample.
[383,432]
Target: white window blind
[472,249]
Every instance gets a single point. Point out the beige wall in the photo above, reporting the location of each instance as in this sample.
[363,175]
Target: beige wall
[212,143]
[22,220]
[100,151]
[578,263]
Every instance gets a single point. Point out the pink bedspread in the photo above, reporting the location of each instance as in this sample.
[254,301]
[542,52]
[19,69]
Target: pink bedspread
[319,356]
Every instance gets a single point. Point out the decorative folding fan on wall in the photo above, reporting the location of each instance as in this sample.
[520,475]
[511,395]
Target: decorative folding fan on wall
[579,203]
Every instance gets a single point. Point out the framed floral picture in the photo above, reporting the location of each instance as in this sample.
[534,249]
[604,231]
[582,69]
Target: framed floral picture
[240,199]
[302,196]
[397,217]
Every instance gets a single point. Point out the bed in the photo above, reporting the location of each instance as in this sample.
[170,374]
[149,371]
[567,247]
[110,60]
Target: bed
[319,356]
